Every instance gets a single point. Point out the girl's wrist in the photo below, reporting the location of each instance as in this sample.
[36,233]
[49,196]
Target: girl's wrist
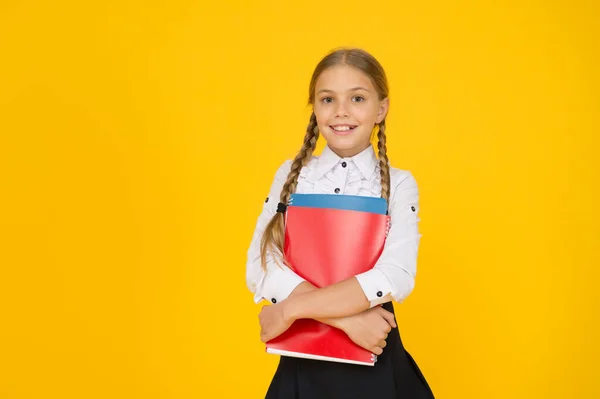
[291,309]
[339,323]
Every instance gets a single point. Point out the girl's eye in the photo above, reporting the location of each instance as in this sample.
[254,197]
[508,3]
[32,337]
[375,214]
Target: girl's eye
[358,99]
[327,100]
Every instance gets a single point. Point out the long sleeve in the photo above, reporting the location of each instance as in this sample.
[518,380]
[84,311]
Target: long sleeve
[395,271]
[277,283]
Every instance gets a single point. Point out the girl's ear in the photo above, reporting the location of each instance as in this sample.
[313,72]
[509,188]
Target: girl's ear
[383,109]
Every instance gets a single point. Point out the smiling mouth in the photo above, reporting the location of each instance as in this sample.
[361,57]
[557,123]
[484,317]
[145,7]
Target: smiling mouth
[343,128]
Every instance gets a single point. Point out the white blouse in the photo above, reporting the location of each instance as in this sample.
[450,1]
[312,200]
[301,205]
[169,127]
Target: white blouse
[395,271]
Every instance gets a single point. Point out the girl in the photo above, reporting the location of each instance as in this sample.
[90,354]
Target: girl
[349,96]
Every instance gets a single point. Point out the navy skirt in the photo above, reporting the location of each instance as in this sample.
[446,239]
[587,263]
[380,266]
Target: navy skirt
[395,375]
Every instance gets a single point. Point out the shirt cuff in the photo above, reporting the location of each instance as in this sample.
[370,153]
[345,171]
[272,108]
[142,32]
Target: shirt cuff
[375,285]
[277,284]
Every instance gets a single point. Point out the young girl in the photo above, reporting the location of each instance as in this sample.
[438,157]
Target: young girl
[349,96]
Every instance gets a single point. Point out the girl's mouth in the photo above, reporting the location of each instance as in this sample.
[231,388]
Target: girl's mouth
[343,129]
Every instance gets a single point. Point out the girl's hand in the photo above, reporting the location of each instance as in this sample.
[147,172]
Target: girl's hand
[369,329]
[272,322]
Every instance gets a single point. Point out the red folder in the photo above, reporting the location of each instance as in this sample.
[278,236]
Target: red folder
[325,246]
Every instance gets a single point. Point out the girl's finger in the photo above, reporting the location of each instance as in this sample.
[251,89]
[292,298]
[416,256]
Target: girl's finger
[389,317]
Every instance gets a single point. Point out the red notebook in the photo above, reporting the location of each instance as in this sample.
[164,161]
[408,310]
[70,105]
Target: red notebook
[325,246]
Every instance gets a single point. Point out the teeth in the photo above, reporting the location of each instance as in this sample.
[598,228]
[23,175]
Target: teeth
[341,128]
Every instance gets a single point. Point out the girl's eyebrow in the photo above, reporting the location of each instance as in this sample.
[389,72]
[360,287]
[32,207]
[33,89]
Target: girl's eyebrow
[352,89]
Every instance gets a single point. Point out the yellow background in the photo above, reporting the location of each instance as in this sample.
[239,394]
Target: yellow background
[139,139]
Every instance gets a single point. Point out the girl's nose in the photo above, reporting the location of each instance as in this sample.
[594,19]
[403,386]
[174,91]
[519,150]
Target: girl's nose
[342,110]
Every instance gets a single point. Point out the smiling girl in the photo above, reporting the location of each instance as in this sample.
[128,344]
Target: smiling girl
[349,96]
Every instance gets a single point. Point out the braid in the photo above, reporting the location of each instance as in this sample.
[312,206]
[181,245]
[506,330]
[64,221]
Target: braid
[383,162]
[304,155]
[273,237]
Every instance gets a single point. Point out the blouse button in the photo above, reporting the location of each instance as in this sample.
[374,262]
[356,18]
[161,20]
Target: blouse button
[337,190]
[273,300]
[267,200]
[412,208]
[344,164]
[379,294]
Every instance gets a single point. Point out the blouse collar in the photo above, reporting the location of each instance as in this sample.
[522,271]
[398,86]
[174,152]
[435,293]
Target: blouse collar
[365,161]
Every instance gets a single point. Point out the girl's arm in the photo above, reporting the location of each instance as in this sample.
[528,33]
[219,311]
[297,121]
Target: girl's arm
[342,299]
[304,288]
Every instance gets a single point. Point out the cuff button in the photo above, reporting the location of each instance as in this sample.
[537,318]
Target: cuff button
[412,208]
[273,300]
[267,199]
[379,294]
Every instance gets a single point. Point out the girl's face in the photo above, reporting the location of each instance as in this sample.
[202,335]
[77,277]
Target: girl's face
[347,108]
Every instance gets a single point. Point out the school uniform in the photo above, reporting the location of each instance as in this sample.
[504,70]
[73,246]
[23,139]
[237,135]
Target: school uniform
[395,374]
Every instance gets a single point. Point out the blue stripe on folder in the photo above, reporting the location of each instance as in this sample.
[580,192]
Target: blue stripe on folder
[336,201]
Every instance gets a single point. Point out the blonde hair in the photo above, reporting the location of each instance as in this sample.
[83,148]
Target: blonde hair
[273,236]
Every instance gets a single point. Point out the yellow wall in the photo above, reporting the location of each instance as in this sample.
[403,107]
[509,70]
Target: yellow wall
[138,141]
